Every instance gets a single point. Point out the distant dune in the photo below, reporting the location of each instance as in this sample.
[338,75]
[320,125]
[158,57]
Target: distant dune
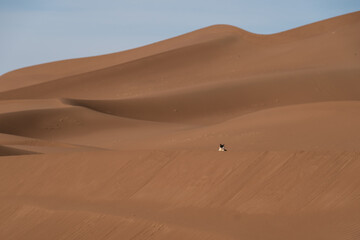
[124,145]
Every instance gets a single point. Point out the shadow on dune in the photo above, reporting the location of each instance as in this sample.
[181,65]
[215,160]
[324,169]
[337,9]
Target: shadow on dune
[10,151]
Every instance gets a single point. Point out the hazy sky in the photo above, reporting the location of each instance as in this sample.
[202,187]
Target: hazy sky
[38,31]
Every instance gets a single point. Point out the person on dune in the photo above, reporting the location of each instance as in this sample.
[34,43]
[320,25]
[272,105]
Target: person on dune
[222,148]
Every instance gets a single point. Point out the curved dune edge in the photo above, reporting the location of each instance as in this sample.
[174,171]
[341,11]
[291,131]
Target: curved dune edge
[229,99]
[211,55]
[10,151]
[330,125]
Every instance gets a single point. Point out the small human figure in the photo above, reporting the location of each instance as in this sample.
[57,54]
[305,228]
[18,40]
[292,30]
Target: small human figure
[222,148]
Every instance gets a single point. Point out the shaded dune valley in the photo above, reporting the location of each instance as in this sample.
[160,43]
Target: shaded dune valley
[125,145]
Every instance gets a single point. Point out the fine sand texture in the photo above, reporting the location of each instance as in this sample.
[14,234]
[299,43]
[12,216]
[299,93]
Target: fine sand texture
[125,145]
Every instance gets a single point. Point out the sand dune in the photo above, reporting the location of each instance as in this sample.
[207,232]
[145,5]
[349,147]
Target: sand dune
[9,151]
[233,54]
[124,145]
[182,194]
[223,100]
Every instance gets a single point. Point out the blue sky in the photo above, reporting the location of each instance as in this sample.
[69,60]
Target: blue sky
[38,31]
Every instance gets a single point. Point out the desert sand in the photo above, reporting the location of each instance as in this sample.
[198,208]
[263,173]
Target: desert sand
[124,146]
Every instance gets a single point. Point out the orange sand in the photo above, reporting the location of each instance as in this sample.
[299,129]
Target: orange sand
[124,146]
